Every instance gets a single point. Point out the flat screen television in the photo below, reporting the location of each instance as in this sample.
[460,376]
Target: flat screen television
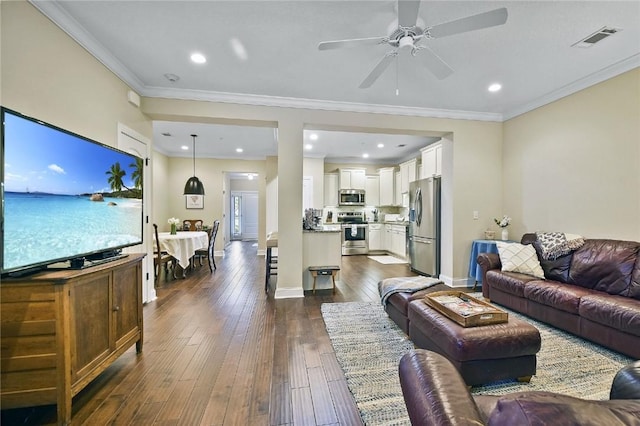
[67,201]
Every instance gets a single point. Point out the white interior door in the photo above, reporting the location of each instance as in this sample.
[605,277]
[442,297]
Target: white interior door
[250,215]
[133,142]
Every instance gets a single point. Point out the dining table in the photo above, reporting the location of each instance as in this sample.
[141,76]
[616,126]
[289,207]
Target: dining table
[183,245]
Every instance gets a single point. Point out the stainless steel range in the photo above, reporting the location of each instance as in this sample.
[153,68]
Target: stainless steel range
[355,233]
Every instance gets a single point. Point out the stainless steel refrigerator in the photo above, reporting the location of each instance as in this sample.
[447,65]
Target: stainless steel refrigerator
[424,230]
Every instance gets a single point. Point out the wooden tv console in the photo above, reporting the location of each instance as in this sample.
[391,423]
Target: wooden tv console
[62,328]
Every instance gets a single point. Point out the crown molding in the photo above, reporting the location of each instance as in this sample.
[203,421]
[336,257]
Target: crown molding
[314,104]
[581,84]
[60,17]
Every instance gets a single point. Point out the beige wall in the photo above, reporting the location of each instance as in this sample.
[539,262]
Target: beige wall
[174,172]
[47,75]
[574,165]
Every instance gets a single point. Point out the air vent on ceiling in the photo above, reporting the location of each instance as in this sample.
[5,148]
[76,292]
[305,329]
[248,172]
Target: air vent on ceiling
[599,35]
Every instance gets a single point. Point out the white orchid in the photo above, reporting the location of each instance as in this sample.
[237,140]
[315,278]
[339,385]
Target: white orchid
[504,222]
[173,221]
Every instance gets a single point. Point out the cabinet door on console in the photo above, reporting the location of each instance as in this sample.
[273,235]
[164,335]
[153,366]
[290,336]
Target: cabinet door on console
[126,302]
[90,323]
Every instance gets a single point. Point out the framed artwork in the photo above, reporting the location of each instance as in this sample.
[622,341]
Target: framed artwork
[195,201]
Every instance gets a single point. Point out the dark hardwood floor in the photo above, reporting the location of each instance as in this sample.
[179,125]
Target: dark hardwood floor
[218,351]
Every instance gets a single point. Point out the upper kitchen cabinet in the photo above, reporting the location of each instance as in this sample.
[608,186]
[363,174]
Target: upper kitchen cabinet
[408,174]
[372,190]
[331,189]
[352,178]
[387,186]
[431,160]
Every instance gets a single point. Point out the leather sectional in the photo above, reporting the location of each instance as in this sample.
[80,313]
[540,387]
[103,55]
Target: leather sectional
[593,292]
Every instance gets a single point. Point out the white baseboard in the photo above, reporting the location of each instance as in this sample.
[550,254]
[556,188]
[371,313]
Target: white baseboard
[288,293]
[262,252]
[456,282]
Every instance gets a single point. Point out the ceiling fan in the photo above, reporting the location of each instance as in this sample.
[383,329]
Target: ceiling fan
[409,34]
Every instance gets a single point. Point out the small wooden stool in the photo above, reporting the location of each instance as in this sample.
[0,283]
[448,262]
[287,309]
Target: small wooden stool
[324,270]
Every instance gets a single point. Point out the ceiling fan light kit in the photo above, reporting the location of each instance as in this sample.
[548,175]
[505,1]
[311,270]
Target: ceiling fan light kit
[408,34]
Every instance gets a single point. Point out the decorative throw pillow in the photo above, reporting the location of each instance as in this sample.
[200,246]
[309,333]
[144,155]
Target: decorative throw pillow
[516,257]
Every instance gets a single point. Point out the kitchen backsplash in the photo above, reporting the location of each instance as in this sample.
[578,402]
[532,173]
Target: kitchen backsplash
[368,211]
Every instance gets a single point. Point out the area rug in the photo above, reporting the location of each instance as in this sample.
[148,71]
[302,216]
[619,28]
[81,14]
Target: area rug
[369,345]
[387,260]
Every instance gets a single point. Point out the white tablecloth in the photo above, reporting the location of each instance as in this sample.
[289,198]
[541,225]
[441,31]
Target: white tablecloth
[183,245]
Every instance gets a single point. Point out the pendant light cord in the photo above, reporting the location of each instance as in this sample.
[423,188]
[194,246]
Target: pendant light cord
[194,154]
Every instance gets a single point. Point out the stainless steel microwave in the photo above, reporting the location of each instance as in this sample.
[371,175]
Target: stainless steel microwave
[351,197]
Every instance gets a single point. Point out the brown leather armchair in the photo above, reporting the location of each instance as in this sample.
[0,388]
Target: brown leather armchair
[435,394]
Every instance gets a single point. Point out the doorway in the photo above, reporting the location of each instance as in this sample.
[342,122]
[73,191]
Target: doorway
[244,215]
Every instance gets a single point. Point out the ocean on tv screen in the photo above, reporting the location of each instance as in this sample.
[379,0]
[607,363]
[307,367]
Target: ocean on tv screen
[40,227]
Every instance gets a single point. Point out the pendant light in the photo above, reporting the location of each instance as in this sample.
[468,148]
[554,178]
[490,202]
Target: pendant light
[193,185]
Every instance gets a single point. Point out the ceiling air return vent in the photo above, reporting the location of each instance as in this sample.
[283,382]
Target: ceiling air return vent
[594,38]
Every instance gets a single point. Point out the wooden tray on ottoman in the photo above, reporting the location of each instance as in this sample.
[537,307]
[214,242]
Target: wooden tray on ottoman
[464,309]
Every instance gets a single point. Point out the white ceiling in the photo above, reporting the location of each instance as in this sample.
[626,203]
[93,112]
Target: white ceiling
[531,56]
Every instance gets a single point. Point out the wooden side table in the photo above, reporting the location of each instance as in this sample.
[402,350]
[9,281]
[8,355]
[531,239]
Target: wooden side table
[324,271]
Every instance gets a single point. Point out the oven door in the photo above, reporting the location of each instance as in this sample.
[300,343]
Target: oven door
[355,239]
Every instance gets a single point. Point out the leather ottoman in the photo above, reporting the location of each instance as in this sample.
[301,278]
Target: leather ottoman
[398,305]
[482,354]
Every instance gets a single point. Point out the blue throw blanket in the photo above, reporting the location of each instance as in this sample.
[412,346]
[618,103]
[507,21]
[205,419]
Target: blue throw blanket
[390,286]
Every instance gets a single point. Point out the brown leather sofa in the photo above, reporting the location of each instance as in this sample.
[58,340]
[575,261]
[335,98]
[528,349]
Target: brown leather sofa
[593,292]
[435,394]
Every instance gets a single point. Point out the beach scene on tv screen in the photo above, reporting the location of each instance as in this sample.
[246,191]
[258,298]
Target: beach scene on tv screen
[65,196]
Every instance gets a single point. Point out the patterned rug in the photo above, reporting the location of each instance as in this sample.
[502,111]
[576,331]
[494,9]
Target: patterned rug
[369,345]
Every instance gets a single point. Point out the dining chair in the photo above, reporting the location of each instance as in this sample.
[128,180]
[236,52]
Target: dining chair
[192,225]
[208,253]
[162,260]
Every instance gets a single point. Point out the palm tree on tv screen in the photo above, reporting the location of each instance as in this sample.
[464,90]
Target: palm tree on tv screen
[115,177]
[137,173]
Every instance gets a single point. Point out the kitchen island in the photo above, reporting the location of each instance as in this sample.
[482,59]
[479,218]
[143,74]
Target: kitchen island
[322,246]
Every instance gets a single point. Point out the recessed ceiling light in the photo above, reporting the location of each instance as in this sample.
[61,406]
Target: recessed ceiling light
[239,150]
[184,148]
[198,58]
[380,145]
[308,147]
[250,176]
[313,136]
[495,87]
[365,155]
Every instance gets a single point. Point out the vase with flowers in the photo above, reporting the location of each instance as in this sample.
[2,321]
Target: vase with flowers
[503,223]
[174,221]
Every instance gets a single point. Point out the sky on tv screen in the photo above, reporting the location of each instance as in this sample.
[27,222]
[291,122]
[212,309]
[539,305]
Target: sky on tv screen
[42,159]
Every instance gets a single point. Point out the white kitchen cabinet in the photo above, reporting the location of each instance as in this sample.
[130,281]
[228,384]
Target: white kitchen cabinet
[375,237]
[372,190]
[387,242]
[407,174]
[352,178]
[397,198]
[398,240]
[331,189]
[432,160]
[387,186]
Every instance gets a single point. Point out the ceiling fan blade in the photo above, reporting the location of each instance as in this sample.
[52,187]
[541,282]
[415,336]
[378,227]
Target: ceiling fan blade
[408,12]
[378,70]
[470,23]
[433,63]
[354,42]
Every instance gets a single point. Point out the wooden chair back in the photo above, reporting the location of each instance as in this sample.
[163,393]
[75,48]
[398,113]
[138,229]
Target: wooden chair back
[192,225]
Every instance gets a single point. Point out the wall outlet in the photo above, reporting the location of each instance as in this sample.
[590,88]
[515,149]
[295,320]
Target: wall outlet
[476,215]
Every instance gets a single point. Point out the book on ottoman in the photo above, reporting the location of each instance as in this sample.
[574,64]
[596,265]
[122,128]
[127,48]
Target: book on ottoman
[464,309]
